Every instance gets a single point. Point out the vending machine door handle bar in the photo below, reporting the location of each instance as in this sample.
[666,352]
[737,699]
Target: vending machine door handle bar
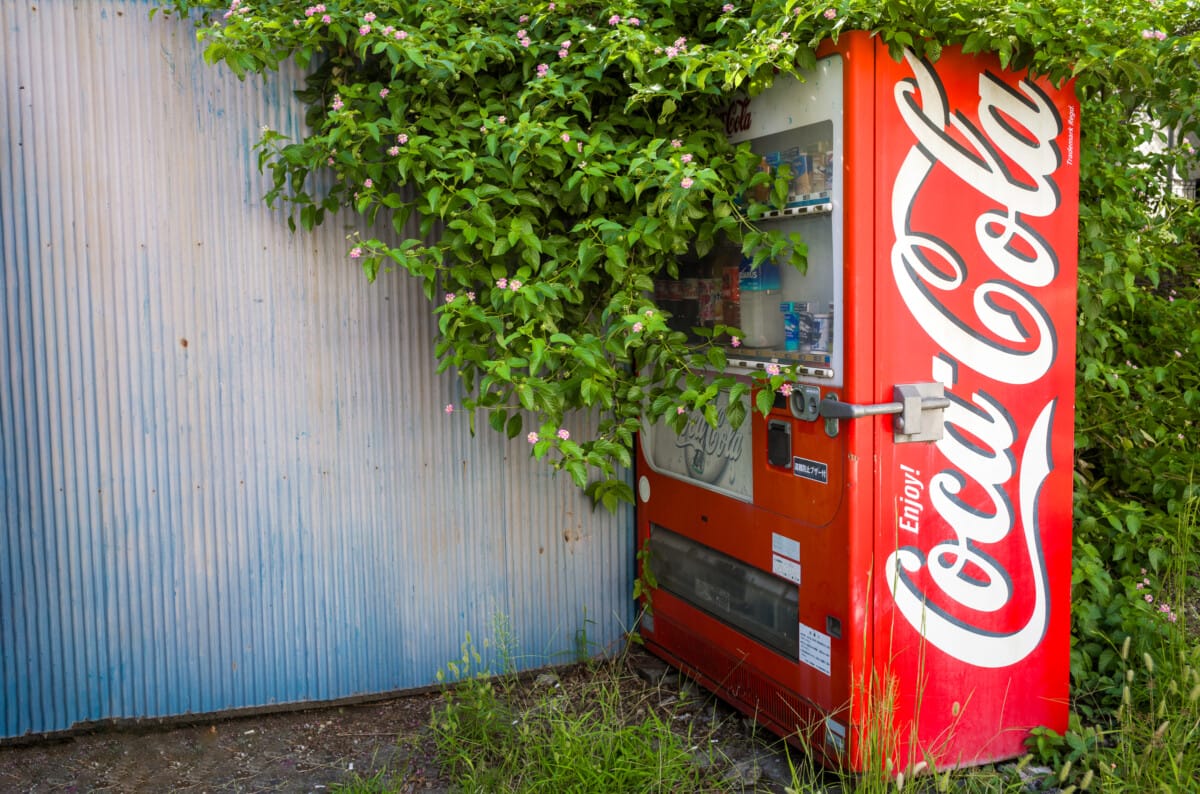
[918,408]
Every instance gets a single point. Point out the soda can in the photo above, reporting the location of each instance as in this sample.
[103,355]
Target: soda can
[801,165]
[821,333]
[729,284]
[711,309]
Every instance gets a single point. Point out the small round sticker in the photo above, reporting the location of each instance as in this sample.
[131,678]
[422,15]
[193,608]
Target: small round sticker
[644,489]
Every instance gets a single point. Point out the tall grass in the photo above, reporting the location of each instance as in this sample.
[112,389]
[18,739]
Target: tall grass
[493,735]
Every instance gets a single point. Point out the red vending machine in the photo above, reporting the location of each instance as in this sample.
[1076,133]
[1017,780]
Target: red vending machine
[886,556]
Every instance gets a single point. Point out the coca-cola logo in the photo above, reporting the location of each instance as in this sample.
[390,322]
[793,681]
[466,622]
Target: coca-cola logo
[708,450]
[1003,333]
[737,116]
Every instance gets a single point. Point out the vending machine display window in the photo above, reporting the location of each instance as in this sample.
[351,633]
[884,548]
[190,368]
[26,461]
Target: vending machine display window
[785,315]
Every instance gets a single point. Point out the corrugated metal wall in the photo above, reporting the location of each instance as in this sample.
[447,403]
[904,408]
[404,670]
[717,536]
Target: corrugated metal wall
[226,476]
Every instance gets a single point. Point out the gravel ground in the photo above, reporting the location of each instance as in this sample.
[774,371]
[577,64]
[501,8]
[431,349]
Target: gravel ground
[315,749]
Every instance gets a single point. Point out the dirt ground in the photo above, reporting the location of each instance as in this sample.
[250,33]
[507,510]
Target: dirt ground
[316,749]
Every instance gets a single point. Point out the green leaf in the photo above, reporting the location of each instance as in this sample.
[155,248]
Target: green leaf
[764,400]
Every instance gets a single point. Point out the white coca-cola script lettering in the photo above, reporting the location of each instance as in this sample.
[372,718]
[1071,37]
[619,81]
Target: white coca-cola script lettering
[1006,336]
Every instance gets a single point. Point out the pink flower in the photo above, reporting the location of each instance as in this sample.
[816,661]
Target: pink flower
[829,13]
[328,161]
[449,408]
[383,92]
[687,158]
[648,313]
[356,252]
[1149,598]
[614,20]
[736,342]
[679,409]
[364,30]
[563,53]
[1140,586]
[402,139]
[369,16]
[522,33]
[401,35]
[393,151]
[686,182]
[772,369]
[672,52]
[563,433]
[523,18]
[450,296]
[637,328]
[786,390]
[524,42]
[327,19]
[368,183]
[471,295]
[532,438]
[566,136]
[566,45]
[337,102]
[727,8]
[514,285]
[551,6]
[681,42]
[502,283]
[502,120]
[676,143]
[542,69]
[635,21]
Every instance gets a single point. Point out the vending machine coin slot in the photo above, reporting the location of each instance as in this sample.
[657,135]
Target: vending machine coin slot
[806,403]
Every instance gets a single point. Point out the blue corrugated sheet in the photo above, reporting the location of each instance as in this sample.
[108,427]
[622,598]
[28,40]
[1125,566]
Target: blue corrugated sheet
[226,476]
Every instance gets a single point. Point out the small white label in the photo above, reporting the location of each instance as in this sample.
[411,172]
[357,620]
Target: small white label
[814,649]
[788,569]
[785,547]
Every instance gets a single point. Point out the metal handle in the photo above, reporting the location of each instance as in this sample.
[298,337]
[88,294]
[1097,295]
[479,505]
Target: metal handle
[918,408]
[833,408]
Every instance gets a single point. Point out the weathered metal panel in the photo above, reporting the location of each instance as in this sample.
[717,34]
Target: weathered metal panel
[226,475]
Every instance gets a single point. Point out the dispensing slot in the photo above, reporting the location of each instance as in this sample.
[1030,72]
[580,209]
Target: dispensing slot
[779,443]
